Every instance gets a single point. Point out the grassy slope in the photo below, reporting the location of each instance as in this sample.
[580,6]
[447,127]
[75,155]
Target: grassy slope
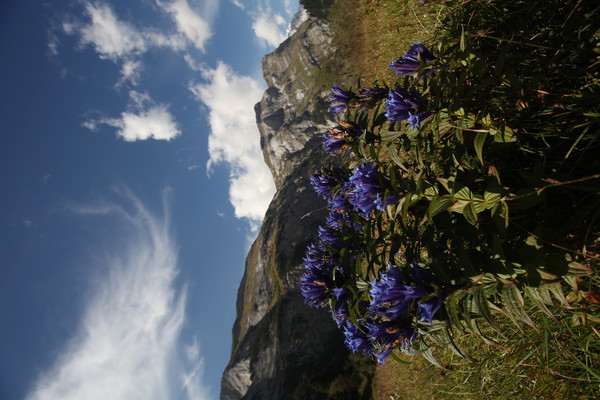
[560,361]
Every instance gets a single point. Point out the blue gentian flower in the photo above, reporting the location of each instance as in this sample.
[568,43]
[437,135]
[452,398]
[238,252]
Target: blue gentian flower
[356,339]
[400,105]
[389,335]
[415,119]
[331,237]
[319,257]
[413,59]
[316,285]
[368,98]
[369,187]
[339,99]
[391,297]
[340,312]
[325,182]
[428,308]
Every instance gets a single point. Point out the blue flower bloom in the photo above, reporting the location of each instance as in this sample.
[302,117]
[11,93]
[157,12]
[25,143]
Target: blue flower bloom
[369,187]
[342,221]
[427,309]
[400,105]
[340,311]
[324,183]
[391,297]
[319,257]
[368,98]
[391,334]
[413,59]
[316,285]
[339,99]
[415,119]
[331,237]
[356,339]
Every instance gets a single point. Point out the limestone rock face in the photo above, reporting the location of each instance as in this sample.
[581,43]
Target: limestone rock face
[283,349]
[292,109]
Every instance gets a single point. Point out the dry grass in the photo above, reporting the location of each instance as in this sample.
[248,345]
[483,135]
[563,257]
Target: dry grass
[375,32]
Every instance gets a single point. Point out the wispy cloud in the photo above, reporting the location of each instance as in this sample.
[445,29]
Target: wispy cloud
[235,140]
[128,345]
[270,27]
[195,28]
[270,19]
[144,120]
[122,42]
[110,37]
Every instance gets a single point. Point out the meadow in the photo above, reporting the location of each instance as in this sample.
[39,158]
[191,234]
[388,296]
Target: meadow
[462,246]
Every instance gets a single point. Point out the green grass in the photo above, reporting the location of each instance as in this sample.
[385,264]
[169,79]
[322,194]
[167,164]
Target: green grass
[536,69]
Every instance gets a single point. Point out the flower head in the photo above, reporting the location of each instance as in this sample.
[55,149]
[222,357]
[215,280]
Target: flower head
[413,59]
[428,308]
[401,104]
[316,285]
[356,339]
[369,188]
[415,119]
[387,335]
[392,298]
[339,99]
[325,182]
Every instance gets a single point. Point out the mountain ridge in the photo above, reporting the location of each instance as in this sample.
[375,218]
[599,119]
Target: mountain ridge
[281,348]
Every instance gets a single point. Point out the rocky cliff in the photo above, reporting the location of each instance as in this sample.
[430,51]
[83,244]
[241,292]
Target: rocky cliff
[282,349]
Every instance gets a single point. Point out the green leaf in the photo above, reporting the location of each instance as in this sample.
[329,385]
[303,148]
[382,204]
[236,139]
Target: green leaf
[513,306]
[438,205]
[464,193]
[478,143]
[483,309]
[539,299]
[429,357]
[396,158]
[457,349]
[491,199]
[470,213]
[453,311]
[387,136]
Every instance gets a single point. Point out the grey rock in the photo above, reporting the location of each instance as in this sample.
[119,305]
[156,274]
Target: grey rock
[283,349]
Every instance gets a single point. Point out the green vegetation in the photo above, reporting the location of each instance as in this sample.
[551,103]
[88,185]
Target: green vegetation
[498,191]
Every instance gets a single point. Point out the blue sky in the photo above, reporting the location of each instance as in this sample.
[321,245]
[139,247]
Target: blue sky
[133,184]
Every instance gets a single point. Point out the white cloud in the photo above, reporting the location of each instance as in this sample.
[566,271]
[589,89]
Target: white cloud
[270,27]
[235,140]
[238,3]
[128,342]
[115,39]
[145,120]
[110,37]
[189,23]
[130,71]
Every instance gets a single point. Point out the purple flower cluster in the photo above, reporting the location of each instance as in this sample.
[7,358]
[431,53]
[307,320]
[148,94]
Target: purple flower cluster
[402,105]
[387,316]
[370,189]
[413,60]
[396,298]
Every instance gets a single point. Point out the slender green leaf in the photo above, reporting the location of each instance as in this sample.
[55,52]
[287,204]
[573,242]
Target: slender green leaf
[483,309]
[478,143]
[513,304]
